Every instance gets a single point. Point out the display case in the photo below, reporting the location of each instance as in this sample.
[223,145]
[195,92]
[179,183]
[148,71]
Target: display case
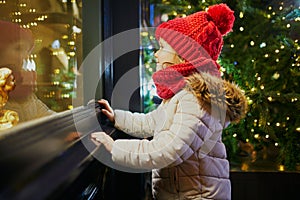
[49,69]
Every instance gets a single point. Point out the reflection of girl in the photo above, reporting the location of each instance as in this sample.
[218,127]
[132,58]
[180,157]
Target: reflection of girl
[186,154]
[16,45]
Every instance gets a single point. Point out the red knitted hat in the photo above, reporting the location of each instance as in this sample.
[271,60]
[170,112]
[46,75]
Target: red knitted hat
[191,35]
[198,39]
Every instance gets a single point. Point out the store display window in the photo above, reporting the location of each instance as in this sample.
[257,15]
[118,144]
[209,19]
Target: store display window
[41,43]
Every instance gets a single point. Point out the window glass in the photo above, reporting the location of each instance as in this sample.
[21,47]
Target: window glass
[262,56]
[41,42]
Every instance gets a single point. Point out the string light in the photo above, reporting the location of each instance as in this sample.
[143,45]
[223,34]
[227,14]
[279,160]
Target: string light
[262,45]
[281,168]
[276,75]
[267,136]
[270,99]
[241,15]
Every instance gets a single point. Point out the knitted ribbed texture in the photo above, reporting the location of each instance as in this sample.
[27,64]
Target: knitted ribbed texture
[201,31]
[198,39]
[170,80]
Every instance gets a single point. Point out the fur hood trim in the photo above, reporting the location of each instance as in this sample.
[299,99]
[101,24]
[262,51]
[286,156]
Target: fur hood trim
[212,91]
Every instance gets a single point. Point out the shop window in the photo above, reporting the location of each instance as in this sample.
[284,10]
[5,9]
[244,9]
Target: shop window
[262,56]
[45,75]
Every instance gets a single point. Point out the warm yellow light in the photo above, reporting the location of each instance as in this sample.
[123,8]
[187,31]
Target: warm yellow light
[56,71]
[144,33]
[244,167]
[241,14]
[281,168]
[72,53]
[72,43]
[267,136]
[270,98]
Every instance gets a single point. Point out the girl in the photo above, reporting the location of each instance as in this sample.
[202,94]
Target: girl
[186,155]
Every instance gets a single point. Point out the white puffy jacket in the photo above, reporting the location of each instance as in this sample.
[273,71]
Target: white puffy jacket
[186,154]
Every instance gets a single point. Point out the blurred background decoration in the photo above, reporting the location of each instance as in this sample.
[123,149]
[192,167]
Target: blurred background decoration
[262,56]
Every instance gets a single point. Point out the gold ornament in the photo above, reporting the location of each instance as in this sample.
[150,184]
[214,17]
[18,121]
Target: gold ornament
[8,118]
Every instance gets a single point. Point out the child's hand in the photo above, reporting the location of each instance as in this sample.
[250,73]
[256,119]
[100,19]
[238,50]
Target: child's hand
[102,138]
[107,110]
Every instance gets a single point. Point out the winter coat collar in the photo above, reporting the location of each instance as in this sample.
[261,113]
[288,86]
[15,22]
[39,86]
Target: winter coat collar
[213,91]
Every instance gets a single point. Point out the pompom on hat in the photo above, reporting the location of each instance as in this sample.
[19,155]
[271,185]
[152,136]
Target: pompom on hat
[204,28]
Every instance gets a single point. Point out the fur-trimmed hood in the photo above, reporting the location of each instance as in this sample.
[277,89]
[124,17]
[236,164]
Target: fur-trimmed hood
[212,91]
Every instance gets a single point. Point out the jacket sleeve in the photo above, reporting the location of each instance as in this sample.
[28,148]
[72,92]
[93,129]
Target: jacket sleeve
[136,124]
[169,146]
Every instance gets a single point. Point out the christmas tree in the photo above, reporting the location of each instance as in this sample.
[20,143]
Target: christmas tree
[262,56]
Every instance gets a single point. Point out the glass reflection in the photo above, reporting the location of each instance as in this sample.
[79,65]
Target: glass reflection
[40,41]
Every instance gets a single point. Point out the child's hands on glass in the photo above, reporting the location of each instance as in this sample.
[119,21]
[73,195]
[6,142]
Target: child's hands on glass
[107,110]
[102,138]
